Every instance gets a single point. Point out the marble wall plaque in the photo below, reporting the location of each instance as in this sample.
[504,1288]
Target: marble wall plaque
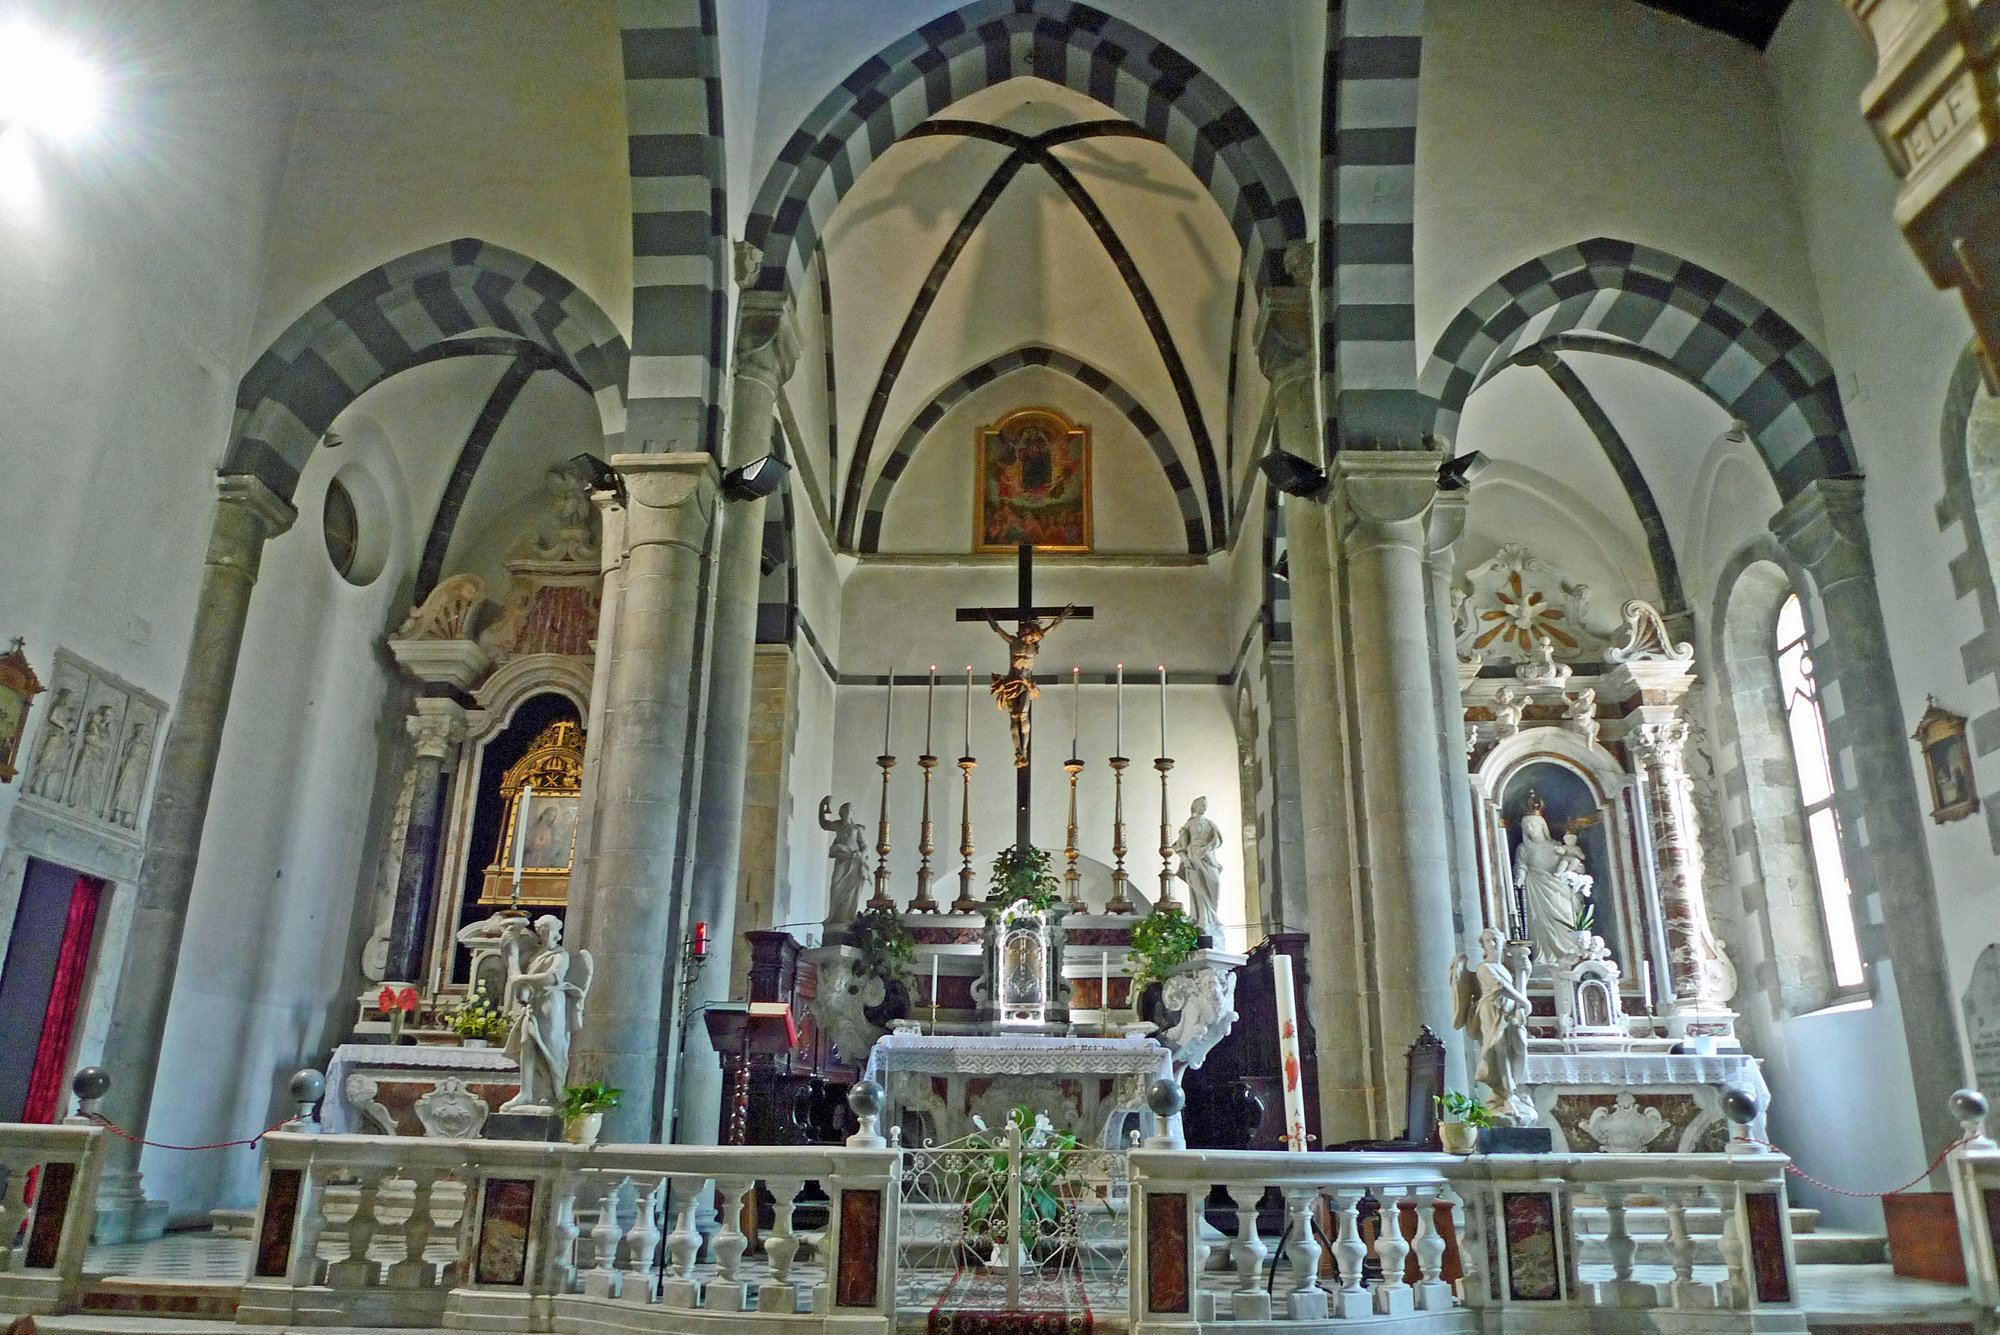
[92,760]
[1982,1019]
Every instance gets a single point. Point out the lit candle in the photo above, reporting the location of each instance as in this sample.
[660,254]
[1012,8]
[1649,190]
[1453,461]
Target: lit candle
[1075,684]
[968,711]
[1293,1090]
[1163,710]
[1118,716]
[1104,984]
[521,833]
[934,960]
[888,710]
[929,691]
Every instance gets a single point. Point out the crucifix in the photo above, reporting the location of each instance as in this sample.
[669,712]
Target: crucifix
[1015,691]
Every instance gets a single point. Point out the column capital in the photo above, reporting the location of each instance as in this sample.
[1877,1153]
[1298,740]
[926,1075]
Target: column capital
[1385,496]
[1657,735]
[767,338]
[249,493]
[1824,528]
[1284,335]
[437,727]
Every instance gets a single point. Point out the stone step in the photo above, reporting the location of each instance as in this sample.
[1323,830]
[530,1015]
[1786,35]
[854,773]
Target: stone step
[233,1223]
[1703,1220]
[1821,1247]
[202,1299]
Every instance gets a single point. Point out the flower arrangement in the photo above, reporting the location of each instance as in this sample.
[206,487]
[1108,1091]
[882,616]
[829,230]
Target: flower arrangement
[1021,873]
[477,1017]
[1053,1187]
[1453,1106]
[1160,940]
[887,948]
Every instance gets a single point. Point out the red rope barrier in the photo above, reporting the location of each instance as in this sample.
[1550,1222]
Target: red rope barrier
[161,1145]
[1792,1166]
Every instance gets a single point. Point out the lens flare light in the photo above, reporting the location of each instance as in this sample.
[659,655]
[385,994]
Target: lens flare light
[45,87]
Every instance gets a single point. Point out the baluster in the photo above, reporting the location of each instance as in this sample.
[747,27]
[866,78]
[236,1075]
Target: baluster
[562,1263]
[13,1209]
[355,1270]
[1308,1298]
[778,1293]
[1393,1296]
[602,1280]
[682,1244]
[1621,1290]
[725,1293]
[1683,1291]
[1475,1284]
[1252,1301]
[1731,1200]
[1433,1294]
[306,1268]
[458,1271]
[413,1271]
[1349,1251]
[640,1241]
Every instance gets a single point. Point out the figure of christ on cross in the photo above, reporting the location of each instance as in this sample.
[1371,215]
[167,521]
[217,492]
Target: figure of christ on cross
[1015,692]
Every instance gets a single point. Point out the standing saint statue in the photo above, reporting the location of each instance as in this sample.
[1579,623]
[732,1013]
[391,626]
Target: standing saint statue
[52,754]
[1490,1006]
[1552,882]
[129,788]
[93,758]
[1201,868]
[545,1010]
[1013,692]
[849,852]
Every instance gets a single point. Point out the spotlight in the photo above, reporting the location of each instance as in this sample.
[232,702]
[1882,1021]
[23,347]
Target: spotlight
[759,477]
[600,475]
[44,86]
[1291,474]
[1459,473]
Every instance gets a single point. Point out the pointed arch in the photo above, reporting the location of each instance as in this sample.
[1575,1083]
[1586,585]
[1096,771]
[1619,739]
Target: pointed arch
[400,314]
[986,43]
[1062,363]
[1712,333]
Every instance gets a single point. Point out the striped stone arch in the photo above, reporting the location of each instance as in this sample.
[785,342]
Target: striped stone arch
[987,43]
[396,316]
[1007,363]
[1720,338]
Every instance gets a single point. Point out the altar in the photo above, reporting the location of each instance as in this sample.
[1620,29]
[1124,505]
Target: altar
[380,1089]
[1091,1087]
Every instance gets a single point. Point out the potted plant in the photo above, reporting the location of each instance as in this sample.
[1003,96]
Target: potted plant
[1459,1118]
[476,1020]
[887,952]
[583,1109]
[1054,1191]
[1021,875]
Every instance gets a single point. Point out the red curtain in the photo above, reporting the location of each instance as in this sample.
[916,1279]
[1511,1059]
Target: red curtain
[45,1082]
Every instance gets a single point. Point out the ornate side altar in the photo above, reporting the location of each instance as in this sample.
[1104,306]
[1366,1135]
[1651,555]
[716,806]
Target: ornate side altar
[1087,1086]
[375,1089]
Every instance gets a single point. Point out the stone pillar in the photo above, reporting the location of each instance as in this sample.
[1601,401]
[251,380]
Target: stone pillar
[641,748]
[1447,525]
[1658,734]
[1881,815]
[1326,888]
[1384,501]
[246,515]
[437,728]
[767,348]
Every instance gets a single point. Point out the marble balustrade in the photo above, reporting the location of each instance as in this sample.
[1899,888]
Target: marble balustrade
[48,1185]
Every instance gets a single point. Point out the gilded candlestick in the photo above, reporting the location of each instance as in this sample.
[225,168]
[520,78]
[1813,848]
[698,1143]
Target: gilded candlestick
[1120,902]
[880,899]
[1072,882]
[1164,766]
[923,903]
[965,903]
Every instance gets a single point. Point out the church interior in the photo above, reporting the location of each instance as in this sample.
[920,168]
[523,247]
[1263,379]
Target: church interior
[1000,666]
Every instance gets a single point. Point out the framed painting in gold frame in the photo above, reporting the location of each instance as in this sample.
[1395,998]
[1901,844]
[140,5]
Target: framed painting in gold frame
[1032,484]
[18,688]
[1940,736]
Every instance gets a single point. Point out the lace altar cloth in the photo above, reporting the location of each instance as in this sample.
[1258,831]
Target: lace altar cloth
[985,1075]
[422,1063]
[1621,1070]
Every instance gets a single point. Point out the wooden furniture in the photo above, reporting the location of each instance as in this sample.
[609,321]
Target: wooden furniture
[1235,1099]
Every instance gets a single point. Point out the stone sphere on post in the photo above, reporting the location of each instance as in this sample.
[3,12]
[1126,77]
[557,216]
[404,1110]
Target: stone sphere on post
[1740,1106]
[865,1100]
[307,1088]
[89,1084]
[1969,1107]
[1165,1098]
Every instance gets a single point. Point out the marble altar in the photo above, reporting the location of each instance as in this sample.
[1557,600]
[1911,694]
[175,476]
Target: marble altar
[1570,1089]
[1087,1086]
[370,1083]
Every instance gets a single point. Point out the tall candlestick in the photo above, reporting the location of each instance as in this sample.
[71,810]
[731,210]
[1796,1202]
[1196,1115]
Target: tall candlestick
[1288,1053]
[966,750]
[1118,716]
[1163,710]
[1075,689]
[521,836]
[889,710]
[934,960]
[923,902]
[1104,991]
[930,690]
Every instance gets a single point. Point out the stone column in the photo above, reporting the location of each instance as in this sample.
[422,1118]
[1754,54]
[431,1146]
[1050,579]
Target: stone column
[437,728]
[1447,525]
[641,748]
[1384,501]
[767,348]
[1658,734]
[1881,815]
[246,515]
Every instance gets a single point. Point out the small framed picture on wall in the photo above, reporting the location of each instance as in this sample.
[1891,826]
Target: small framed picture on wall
[1941,736]
[18,688]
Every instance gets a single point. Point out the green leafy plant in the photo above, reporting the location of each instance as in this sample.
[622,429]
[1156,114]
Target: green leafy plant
[595,1097]
[1456,1107]
[1022,873]
[887,948]
[1162,939]
[477,1017]
[1585,919]
[1053,1187]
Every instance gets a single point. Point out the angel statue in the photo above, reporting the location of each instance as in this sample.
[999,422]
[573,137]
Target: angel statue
[1490,1006]
[545,1009]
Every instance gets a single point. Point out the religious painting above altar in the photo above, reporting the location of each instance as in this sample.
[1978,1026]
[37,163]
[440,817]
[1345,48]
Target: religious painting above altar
[542,792]
[1033,484]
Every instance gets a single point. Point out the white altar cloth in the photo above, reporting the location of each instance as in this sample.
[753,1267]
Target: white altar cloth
[1017,1069]
[395,1063]
[1613,1071]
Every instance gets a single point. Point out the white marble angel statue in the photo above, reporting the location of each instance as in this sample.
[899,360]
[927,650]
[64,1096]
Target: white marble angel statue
[545,1010]
[1489,1005]
[1201,868]
[1553,884]
[849,851]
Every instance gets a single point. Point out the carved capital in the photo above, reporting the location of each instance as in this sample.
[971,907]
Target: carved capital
[1385,497]
[767,339]
[668,497]
[242,492]
[1658,741]
[437,727]
[1284,336]
[1825,530]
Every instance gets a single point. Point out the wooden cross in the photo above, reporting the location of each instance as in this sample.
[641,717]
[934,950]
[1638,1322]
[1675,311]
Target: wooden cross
[1023,612]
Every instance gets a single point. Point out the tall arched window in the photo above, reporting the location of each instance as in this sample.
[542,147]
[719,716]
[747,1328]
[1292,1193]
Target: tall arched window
[1799,696]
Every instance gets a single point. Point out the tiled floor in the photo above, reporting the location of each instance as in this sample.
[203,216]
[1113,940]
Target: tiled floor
[186,1256]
